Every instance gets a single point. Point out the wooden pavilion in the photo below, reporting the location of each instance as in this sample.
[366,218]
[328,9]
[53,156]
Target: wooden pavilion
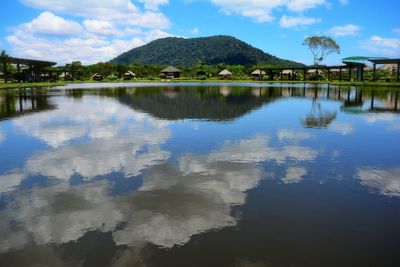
[129,75]
[97,77]
[225,74]
[28,70]
[171,72]
[376,61]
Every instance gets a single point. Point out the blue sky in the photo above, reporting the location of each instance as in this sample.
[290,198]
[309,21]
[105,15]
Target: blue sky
[93,30]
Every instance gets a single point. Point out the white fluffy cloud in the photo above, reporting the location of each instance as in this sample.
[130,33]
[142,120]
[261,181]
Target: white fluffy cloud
[261,11]
[385,46]
[154,4]
[346,30]
[387,182]
[296,22]
[49,24]
[256,149]
[171,205]
[293,135]
[342,128]
[101,29]
[119,140]
[294,175]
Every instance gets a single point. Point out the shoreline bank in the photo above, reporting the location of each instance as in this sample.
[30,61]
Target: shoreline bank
[336,83]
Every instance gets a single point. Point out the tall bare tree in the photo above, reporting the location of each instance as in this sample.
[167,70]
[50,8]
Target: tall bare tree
[321,47]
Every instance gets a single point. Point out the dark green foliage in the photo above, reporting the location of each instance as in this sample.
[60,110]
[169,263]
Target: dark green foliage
[213,50]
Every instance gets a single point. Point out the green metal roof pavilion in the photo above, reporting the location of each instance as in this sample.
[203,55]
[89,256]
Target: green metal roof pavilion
[355,61]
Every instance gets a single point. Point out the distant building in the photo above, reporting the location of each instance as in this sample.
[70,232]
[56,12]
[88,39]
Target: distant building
[97,77]
[315,71]
[389,67]
[258,73]
[225,74]
[171,72]
[129,75]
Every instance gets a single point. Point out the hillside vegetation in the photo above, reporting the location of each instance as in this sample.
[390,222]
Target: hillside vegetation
[206,50]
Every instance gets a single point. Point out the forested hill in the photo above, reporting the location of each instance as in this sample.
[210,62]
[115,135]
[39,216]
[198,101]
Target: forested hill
[208,50]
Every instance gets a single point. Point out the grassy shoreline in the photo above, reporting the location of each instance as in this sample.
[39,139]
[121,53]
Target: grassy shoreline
[61,83]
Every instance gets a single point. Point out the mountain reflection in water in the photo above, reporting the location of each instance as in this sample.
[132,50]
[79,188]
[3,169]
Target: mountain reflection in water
[200,176]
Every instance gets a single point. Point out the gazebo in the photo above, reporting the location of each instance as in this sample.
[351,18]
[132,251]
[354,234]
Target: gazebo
[97,77]
[225,74]
[171,72]
[28,70]
[258,73]
[129,75]
[395,61]
[358,63]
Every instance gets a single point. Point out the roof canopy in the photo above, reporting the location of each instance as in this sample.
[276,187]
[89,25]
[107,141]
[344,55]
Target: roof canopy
[38,63]
[356,58]
[129,73]
[375,60]
[385,60]
[225,72]
[170,69]
[258,72]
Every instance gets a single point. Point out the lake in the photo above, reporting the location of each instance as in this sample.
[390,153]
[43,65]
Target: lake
[190,174]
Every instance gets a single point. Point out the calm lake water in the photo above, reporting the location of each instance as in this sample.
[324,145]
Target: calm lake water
[200,175]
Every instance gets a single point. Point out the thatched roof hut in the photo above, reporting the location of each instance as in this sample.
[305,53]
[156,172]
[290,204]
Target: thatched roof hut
[258,73]
[129,75]
[97,77]
[389,67]
[225,73]
[171,72]
[314,71]
[287,72]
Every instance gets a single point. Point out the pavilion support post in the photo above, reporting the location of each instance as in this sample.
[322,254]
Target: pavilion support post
[30,79]
[304,74]
[360,73]
[329,74]
[271,75]
[349,74]
[294,76]
[398,72]
[281,73]
[5,71]
[340,74]
[374,73]
[19,72]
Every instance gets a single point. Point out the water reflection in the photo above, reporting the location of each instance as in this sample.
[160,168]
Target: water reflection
[386,182]
[131,173]
[2,136]
[24,102]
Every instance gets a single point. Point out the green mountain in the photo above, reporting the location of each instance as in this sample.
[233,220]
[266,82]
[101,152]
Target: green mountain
[208,50]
